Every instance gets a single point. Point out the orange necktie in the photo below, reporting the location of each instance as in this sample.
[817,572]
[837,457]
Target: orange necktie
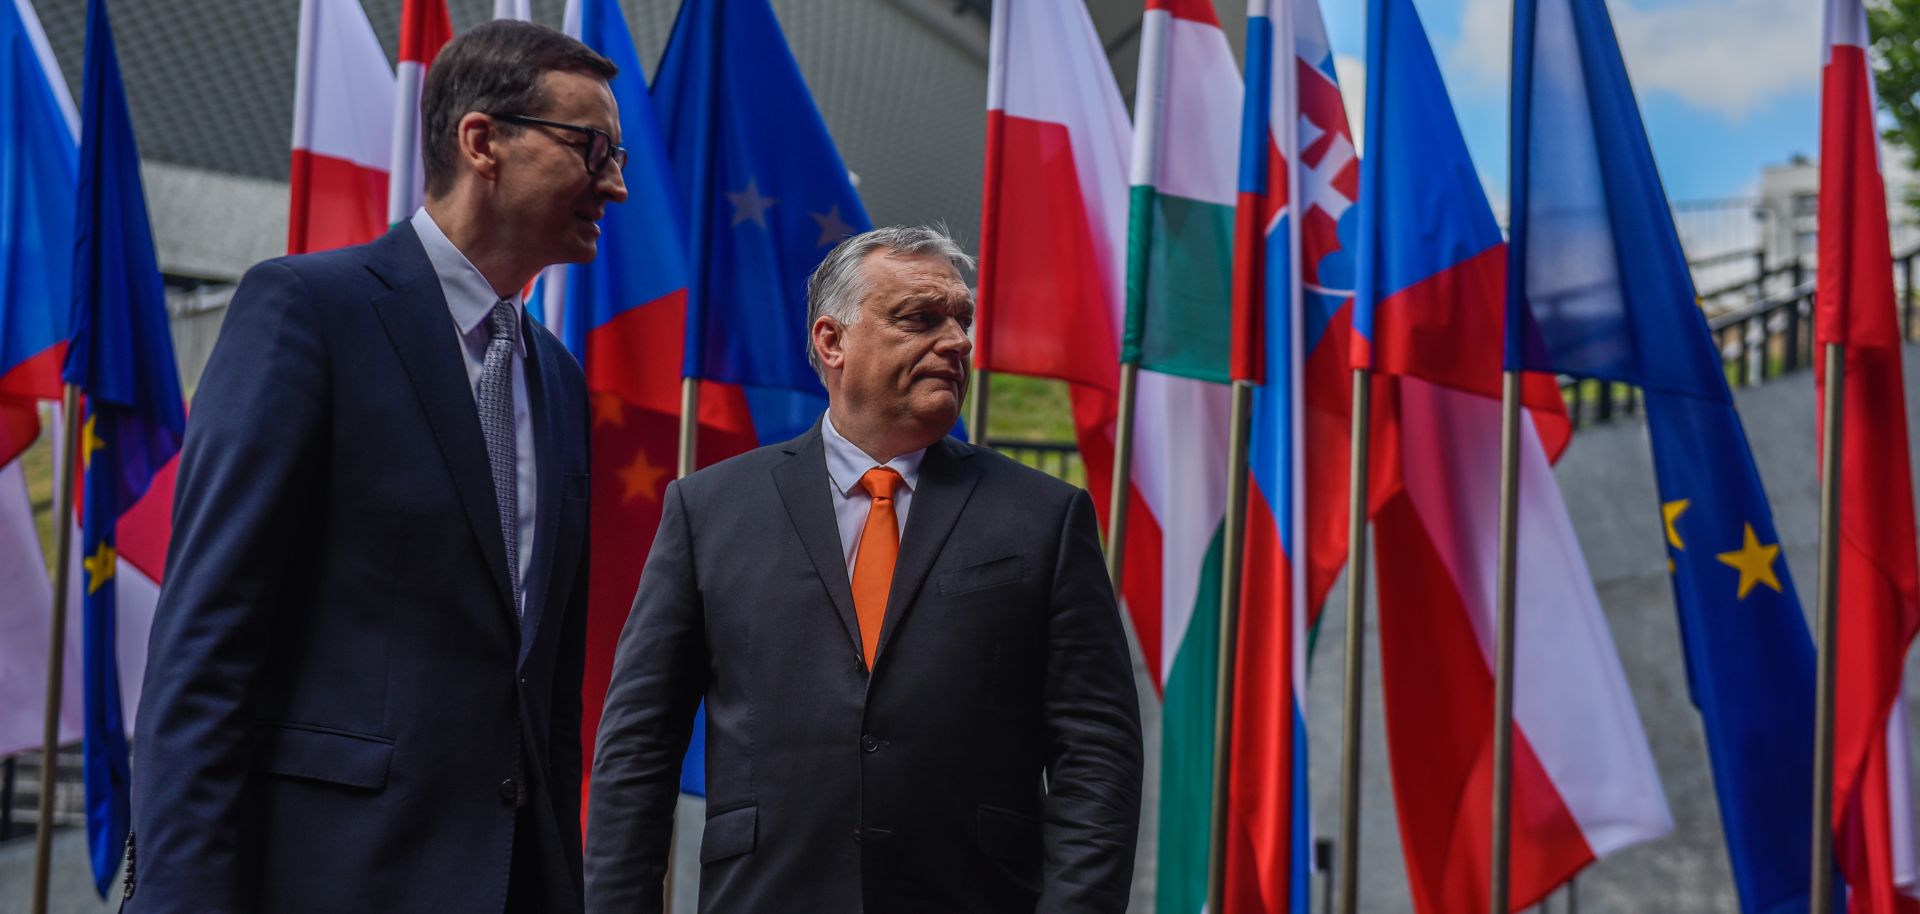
[873,564]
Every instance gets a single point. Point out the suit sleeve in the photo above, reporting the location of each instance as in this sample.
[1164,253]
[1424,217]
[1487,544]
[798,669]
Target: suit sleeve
[1091,815]
[659,674]
[565,750]
[249,488]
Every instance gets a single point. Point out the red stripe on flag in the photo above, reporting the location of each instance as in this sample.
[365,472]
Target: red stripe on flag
[1260,813]
[1439,704]
[1200,11]
[21,390]
[1447,329]
[424,29]
[336,203]
[1040,254]
[1879,575]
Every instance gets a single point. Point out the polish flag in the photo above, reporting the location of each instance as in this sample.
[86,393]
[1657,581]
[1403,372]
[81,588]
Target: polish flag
[424,29]
[1053,229]
[1879,575]
[342,129]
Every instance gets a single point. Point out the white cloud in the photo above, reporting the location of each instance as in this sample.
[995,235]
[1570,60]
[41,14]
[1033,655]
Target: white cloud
[1352,73]
[1731,57]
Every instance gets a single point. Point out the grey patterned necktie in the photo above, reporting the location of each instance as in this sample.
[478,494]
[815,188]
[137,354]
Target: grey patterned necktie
[495,400]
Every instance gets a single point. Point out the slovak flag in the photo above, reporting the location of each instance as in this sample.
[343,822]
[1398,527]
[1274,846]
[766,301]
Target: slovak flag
[1292,291]
[1879,574]
[342,143]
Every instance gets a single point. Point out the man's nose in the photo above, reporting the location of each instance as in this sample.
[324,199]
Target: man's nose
[954,340]
[612,183]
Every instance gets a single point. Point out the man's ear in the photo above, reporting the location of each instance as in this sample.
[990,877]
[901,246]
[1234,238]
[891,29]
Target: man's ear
[828,338]
[479,136]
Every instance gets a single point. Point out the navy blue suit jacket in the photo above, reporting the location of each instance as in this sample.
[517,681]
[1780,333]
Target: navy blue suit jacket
[341,711]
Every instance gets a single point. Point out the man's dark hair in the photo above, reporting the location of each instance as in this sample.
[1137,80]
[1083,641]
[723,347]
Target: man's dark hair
[494,68]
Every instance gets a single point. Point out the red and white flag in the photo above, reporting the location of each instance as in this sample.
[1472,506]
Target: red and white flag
[1052,298]
[425,28]
[342,129]
[1879,574]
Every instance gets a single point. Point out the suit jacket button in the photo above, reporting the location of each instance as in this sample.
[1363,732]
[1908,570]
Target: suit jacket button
[509,791]
[869,744]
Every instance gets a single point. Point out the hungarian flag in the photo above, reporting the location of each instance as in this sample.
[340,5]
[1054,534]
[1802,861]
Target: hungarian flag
[1432,281]
[424,30]
[1292,292]
[1879,584]
[38,163]
[1180,248]
[342,129]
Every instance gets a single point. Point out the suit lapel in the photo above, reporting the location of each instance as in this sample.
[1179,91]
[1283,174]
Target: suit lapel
[414,312]
[802,482]
[947,477]
[543,397]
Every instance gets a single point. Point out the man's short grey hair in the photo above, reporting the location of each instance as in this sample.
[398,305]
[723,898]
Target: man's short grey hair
[838,285]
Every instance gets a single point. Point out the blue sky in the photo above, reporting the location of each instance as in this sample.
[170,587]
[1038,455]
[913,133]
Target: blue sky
[1725,86]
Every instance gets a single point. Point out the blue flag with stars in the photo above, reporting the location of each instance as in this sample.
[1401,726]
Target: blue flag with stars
[1598,287]
[121,358]
[767,196]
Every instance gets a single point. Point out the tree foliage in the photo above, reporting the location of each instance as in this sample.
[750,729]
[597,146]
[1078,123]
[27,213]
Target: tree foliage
[1895,27]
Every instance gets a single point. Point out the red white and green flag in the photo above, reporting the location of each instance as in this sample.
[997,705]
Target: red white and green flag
[341,141]
[1178,321]
[424,29]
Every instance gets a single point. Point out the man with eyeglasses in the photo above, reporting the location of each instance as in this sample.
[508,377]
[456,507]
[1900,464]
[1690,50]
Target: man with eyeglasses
[363,687]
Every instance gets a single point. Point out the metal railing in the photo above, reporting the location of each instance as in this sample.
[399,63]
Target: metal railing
[20,792]
[1057,458]
[1770,336]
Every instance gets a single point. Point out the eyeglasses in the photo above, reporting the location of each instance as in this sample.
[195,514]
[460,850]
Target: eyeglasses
[599,148]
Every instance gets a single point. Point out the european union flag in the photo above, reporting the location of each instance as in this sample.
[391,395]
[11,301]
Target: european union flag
[121,358]
[1598,287]
[767,196]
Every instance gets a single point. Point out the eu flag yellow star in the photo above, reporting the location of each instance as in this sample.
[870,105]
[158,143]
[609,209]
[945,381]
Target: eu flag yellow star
[100,567]
[1671,512]
[1754,562]
[90,441]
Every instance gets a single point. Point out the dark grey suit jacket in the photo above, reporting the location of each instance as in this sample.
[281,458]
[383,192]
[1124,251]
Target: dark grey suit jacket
[991,762]
[341,710]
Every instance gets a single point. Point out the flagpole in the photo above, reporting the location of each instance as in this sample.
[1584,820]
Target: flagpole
[1232,540]
[1497,887]
[977,408]
[1122,472]
[1348,855]
[56,642]
[689,425]
[1827,623]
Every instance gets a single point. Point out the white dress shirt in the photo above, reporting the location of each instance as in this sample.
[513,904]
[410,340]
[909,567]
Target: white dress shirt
[470,300]
[846,463]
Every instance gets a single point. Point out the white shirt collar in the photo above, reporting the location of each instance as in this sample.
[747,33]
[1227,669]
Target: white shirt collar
[846,462]
[469,296]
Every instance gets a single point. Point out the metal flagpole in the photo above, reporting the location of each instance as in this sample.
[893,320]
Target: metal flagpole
[689,449]
[977,408]
[1503,642]
[689,425]
[57,640]
[1348,856]
[1233,539]
[1827,627]
[1122,472]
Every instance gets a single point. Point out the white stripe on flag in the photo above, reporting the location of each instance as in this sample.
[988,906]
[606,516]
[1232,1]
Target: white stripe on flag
[1906,870]
[24,618]
[1570,696]
[340,72]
